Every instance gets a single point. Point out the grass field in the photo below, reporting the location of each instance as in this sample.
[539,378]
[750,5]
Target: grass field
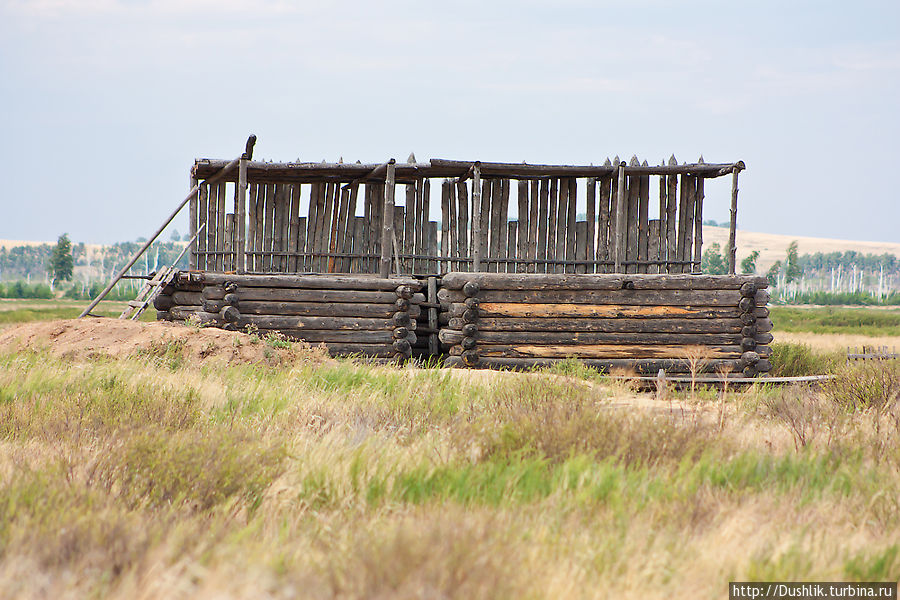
[156,475]
[25,311]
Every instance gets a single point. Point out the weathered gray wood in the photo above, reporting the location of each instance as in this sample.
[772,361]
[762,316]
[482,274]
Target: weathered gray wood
[562,224]
[278,228]
[451,336]
[522,227]
[643,221]
[324,309]
[637,297]
[253,191]
[430,241]
[591,217]
[621,223]
[522,281]
[698,224]
[453,228]
[269,229]
[597,311]
[661,239]
[732,227]
[571,207]
[633,219]
[202,216]
[193,219]
[426,239]
[465,249]
[615,351]
[220,226]
[653,245]
[319,323]
[228,256]
[305,281]
[490,205]
[605,236]
[406,233]
[400,265]
[258,263]
[543,225]
[532,243]
[433,345]
[581,245]
[512,239]
[502,228]
[387,232]
[331,198]
[444,265]
[647,366]
[358,246]
[672,221]
[731,326]
[690,192]
[240,218]
[475,240]
[300,295]
[553,212]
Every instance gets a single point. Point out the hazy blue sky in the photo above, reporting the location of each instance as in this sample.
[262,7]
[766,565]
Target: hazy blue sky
[105,104]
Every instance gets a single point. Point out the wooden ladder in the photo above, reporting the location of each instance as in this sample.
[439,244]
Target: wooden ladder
[149,292]
[155,285]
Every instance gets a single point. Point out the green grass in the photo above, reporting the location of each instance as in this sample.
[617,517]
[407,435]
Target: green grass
[858,321]
[30,310]
[159,476]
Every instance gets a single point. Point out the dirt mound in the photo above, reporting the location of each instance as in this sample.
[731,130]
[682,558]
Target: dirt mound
[93,337]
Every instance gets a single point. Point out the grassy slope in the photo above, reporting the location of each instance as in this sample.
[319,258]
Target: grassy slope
[353,481]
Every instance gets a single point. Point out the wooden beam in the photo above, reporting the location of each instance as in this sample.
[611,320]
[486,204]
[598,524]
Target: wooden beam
[476,217]
[387,231]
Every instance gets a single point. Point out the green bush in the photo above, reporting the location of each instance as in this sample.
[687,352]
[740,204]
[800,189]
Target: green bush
[794,360]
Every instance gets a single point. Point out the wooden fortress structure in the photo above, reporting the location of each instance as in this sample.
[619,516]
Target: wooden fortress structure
[482,264]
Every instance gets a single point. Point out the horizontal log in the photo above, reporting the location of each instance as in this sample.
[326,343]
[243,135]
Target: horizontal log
[322,309]
[729,298]
[327,323]
[604,311]
[184,298]
[304,172]
[334,336]
[623,325]
[315,282]
[308,295]
[452,336]
[162,302]
[545,281]
[371,350]
[640,366]
[763,325]
[163,315]
[764,338]
[646,351]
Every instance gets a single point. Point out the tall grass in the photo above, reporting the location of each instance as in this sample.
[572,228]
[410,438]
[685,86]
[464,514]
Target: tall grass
[154,476]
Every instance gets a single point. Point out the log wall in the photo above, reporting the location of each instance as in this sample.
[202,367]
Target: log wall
[638,322]
[363,315]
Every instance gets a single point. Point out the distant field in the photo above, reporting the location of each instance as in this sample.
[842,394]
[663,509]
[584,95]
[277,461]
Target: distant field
[25,311]
[865,321]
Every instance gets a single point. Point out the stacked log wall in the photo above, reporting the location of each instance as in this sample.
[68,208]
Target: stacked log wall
[362,315]
[677,323]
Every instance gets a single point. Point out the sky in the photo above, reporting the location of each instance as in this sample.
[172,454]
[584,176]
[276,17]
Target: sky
[104,104]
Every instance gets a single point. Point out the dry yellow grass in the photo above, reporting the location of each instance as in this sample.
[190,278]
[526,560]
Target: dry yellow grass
[160,475]
[837,341]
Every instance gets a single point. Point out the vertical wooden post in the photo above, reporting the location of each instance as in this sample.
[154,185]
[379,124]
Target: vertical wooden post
[620,220]
[590,215]
[476,217]
[672,220]
[698,224]
[192,217]
[240,218]
[387,231]
[444,266]
[732,232]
